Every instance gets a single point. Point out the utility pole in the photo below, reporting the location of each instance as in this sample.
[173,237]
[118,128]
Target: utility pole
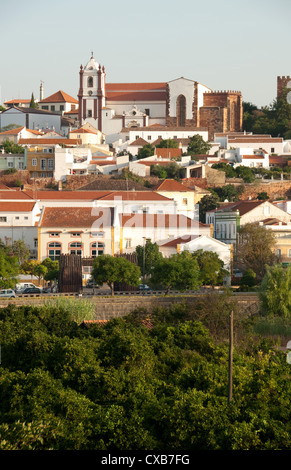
[230,359]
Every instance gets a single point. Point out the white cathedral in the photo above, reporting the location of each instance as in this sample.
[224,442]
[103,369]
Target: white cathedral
[179,104]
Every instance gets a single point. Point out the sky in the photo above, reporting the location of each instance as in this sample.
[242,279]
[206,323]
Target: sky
[225,45]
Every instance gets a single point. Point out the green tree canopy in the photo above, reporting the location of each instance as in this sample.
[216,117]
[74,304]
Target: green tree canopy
[168,143]
[275,291]
[198,146]
[9,268]
[255,249]
[146,151]
[110,269]
[207,203]
[147,255]
[211,267]
[180,271]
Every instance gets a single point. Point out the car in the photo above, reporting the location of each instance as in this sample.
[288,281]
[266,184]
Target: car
[7,293]
[144,287]
[32,290]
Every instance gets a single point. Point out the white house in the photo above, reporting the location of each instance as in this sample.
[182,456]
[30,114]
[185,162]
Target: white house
[229,217]
[30,118]
[199,242]
[18,221]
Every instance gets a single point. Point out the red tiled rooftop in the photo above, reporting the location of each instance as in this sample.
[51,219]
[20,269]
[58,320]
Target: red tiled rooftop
[16,206]
[60,97]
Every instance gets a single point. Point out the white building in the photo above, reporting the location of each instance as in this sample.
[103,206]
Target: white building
[30,118]
[201,242]
[18,221]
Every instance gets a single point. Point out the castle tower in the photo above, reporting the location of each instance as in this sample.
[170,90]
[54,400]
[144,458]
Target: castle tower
[91,93]
[282,82]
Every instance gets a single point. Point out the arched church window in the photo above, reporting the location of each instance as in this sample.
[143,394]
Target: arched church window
[90,81]
[181,111]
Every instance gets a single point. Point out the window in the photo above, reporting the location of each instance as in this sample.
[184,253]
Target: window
[3,219]
[267,210]
[54,234]
[43,164]
[54,250]
[16,218]
[75,248]
[34,162]
[149,137]
[35,242]
[90,81]
[97,234]
[97,249]
[136,137]
[53,108]
[272,149]
[76,234]
[50,164]
[185,201]
[20,165]
[278,252]
[10,164]
[62,107]
[89,112]
[181,111]
[128,243]
[147,111]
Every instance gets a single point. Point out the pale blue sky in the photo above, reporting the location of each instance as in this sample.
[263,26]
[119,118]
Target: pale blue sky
[226,45]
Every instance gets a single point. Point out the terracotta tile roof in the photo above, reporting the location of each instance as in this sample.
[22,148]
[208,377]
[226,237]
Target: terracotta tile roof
[14,195]
[242,206]
[50,141]
[153,162]
[179,241]
[12,131]
[60,97]
[172,185]
[102,162]
[253,157]
[65,195]
[136,96]
[158,221]
[135,196]
[256,139]
[76,217]
[138,142]
[16,206]
[136,91]
[84,131]
[113,184]
[17,101]
[272,221]
[168,152]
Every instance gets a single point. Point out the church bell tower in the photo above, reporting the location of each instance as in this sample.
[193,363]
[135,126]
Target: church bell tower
[91,93]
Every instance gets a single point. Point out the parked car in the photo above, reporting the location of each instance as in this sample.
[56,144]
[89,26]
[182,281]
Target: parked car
[7,293]
[32,290]
[144,287]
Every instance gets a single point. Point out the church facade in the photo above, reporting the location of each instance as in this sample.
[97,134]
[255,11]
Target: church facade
[177,104]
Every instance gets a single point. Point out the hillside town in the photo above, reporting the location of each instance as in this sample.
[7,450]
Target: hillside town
[128,162]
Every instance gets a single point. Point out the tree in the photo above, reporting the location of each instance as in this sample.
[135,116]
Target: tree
[255,248]
[210,267]
[168,143]
[198,146]
[263,196]
[52,269]
[207,203]
[180,271]
[9,268]
[146,151]
[10,147]
[33,104]
[111,269]
[147,256]
[20,249]
[40,270]
[227,168]
[275,291]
